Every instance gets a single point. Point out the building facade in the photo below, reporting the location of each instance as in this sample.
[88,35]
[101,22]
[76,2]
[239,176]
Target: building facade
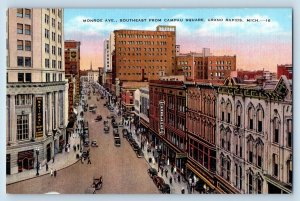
[145,55]
[168,121]
[36,86]
[144,110]
[285,69]
[254,137]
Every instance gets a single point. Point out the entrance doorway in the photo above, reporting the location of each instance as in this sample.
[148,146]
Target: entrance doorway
[7,163]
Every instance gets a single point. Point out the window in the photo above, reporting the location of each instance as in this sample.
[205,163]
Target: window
[260,117]
[46,19]
[275,165]
[60,77]
[47,77]
[238,115]
[28,13]
[28,45]
[53,49]
[289,133]
[223,168]
[59,64]
[22,127]
[259,152]
[59,38]
[53,64]
[250,149]
[53,36]
[47,65]
[28,77]
[228,139]
[276,130]
[46,33]
[20,45]
[19,12]
[23,99]
[20,77]
[228,169]
[290,171]
[28,61]
[228,110]
[250,183]
[53,22]
[47,48]
[27,29]
[20,61]
[59,51]
[250,118]
[20,28]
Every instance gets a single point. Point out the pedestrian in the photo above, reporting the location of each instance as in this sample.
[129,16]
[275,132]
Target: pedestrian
[51,172]
[175,170]
[89,161]
[166,172]
[82,160]
[55,173]
[182,190]
[190,181]
[47,167]
[170,180]
[53,159]
[178,178]
[172,169]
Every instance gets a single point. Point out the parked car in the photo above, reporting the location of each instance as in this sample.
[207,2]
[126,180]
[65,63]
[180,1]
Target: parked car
[117,142]
[158,181]
[152,172]
[86,142]
[117,136]
[125,132]
[106,129]
[139,153]
[115,125]
[105,123]
[98,118]
[165,189]
[94,143]
[115,131]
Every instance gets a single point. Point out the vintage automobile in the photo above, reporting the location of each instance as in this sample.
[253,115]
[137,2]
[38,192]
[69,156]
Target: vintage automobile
[115,125]
[125,132]
[106,129]
[94,143]
[97,183]
[115,131]
[139,153]
[98,118]
[86,142]
[117,142]
[158,181]
[165,189]
[152,172]
[117,136]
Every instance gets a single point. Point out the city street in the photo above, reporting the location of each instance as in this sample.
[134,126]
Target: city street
[120,168]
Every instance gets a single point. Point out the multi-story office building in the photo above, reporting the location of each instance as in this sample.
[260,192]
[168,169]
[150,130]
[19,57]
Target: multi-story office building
[72,69]
[254,137]
[144,109]
[168,121]
[109,48]
[204,65]
[35,87]
[145,55]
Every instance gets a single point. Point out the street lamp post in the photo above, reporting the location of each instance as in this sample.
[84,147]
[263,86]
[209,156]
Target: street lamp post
[37,161]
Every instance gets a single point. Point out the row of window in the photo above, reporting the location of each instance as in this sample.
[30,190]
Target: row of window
[144,67]
[47,20]
[54,62]
[142,43]
[21,27]
[23,13]
[140,61]
[53,36]
[140,36]
[54,77]
[24,77]
[47,49]
[24,61]
[205,63]
[145,54]
[20,45]
[137,74]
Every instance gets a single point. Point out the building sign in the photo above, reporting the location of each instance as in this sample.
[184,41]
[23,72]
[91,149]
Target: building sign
[39,117]
[161,117]
[181,155]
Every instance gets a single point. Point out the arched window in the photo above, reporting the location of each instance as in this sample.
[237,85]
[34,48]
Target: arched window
[222,110]
[250,149]
[290,170]
[289,133]
[223,166]
[276,128]
[228,168]
[250,117]
[228,111]
[275,165]
[223,138]
[228,139]
[250,181]
[260,116]
[259,152]
[238,115]
[259,184]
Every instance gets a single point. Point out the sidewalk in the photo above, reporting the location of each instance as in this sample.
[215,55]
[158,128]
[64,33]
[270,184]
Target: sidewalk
[176,186]
[61,161]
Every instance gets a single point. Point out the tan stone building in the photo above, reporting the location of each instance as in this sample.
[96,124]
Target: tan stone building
[36,85]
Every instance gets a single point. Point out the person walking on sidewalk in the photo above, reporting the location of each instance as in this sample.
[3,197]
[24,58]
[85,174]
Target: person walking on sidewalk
[182,190]
[178,178]
[172,169]
[170,180]
[47,167]
[51,172]
[166,172]
[55,173]
[89,161]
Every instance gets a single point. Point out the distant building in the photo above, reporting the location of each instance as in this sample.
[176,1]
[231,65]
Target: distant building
[285,69]
[254,75]
[204,65]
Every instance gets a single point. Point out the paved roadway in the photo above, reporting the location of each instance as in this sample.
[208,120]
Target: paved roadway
[122,171]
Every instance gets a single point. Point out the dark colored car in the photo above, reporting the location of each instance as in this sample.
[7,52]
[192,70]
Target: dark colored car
[115,131]
[94,143]
[165,189]
[86,142]
[98,118]
[117,142]
[117,136]
[125,132]
[115,125]
[152,172]
[139,153]
[158,181]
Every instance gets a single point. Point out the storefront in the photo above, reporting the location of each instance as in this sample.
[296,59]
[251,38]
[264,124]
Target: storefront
[25,160]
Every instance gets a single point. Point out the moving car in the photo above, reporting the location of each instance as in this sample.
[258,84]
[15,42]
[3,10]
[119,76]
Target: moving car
[117,142]
[94,143]
[98,118]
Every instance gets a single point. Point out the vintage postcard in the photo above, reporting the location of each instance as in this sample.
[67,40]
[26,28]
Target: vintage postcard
[149,101]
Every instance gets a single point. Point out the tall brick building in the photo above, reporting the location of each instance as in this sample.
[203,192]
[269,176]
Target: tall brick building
[72,70]
[285,69]
[145,55]
[204,65]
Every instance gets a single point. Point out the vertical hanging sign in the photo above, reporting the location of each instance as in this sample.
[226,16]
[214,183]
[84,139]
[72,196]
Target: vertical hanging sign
[161,117]
[39,117]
